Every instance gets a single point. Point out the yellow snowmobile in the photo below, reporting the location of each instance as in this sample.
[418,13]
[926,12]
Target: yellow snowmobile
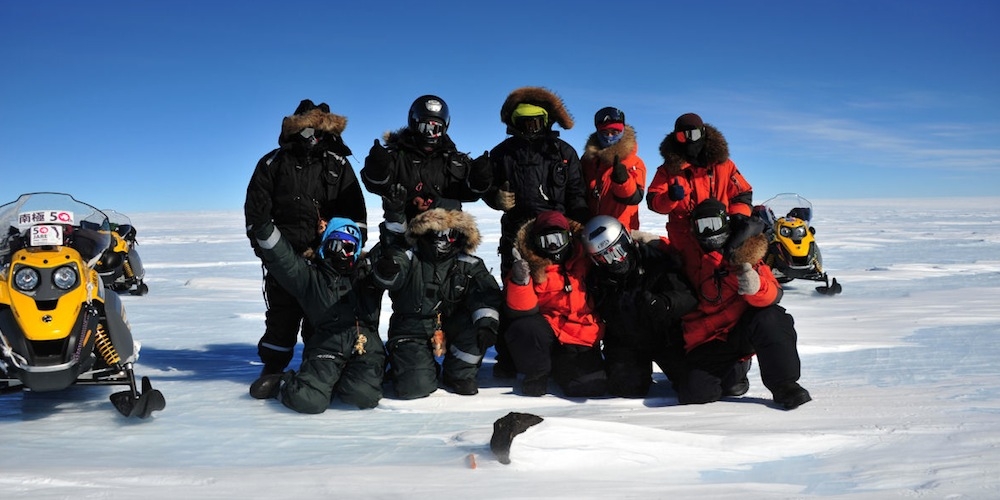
[793,252]
[59,325]
[121,268]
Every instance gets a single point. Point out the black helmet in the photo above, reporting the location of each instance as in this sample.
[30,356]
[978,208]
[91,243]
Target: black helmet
[710,224]
[429,118]
[608,115]
[609,244]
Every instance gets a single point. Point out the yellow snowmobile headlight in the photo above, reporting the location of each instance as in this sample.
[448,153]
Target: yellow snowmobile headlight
[65,277]
[26,279]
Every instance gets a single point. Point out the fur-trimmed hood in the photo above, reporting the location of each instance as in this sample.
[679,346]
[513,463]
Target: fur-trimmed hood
[716,150]
[752,250]
[541,97]
[622,149]
[309,115]
[403,138]
[439,219]
[536,261]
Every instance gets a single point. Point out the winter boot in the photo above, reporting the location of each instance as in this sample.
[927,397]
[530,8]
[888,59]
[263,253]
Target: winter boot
[791,396]
[735,383]
[535,385]
[463,386]
[267,386]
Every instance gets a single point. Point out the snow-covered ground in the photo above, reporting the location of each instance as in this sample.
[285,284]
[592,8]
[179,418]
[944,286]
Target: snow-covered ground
[903,368]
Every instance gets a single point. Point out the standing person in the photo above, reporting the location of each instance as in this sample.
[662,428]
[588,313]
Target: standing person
[445,303]
[533,171]
[614,174]
[640,294]
[737,316]
[419,167]
[300,186]
[552,328]
[696,166]
[345,355]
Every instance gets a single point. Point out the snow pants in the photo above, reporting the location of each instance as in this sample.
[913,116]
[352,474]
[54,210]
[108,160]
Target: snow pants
[331,367]
[535,351]
[629,357]
[711,368]
[413,368]
[281,327]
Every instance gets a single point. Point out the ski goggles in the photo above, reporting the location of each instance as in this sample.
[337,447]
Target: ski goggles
[710,225]
[443,240]
[684,136]
[341,244]
[553,242]
[612,255]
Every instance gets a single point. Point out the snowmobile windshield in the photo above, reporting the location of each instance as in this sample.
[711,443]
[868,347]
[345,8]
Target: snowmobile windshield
[790,205]
[43,221]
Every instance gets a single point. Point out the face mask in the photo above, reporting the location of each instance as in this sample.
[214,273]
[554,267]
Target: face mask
[607,140]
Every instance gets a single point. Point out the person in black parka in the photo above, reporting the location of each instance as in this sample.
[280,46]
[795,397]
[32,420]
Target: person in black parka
[420,168]
[299,186]
[437,284]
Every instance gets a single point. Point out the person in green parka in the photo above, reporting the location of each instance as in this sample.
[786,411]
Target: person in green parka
[345,356]
[437,285]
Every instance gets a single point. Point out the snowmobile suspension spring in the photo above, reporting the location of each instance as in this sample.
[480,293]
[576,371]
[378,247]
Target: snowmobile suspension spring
[105,348]
[128,270]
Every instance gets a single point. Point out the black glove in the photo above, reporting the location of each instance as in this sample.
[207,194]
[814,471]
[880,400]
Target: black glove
[386,268]
[676,191]
[480,167]
[480,173]
[655,307]
[485,338]
[378,158]
[519,271]
[260,230]
[394,201]
[619,174]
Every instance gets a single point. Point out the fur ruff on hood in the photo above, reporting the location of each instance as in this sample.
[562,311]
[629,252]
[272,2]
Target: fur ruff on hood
[752,250]
[536,261]
[541,97]
[315,118]
[439,219]
[716,150]
[621,149]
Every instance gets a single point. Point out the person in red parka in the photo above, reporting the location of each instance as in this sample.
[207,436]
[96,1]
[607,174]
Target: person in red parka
[696,166]
[737,315]
[614,174]
[553,330]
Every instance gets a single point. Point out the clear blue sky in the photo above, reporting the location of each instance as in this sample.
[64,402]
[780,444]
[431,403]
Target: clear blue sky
[167,105]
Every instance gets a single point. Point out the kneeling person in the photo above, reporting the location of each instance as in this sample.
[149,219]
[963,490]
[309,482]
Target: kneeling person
[345,355]
[437,285]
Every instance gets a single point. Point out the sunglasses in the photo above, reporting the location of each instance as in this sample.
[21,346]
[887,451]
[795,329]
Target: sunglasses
[553,242]
[688,135]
